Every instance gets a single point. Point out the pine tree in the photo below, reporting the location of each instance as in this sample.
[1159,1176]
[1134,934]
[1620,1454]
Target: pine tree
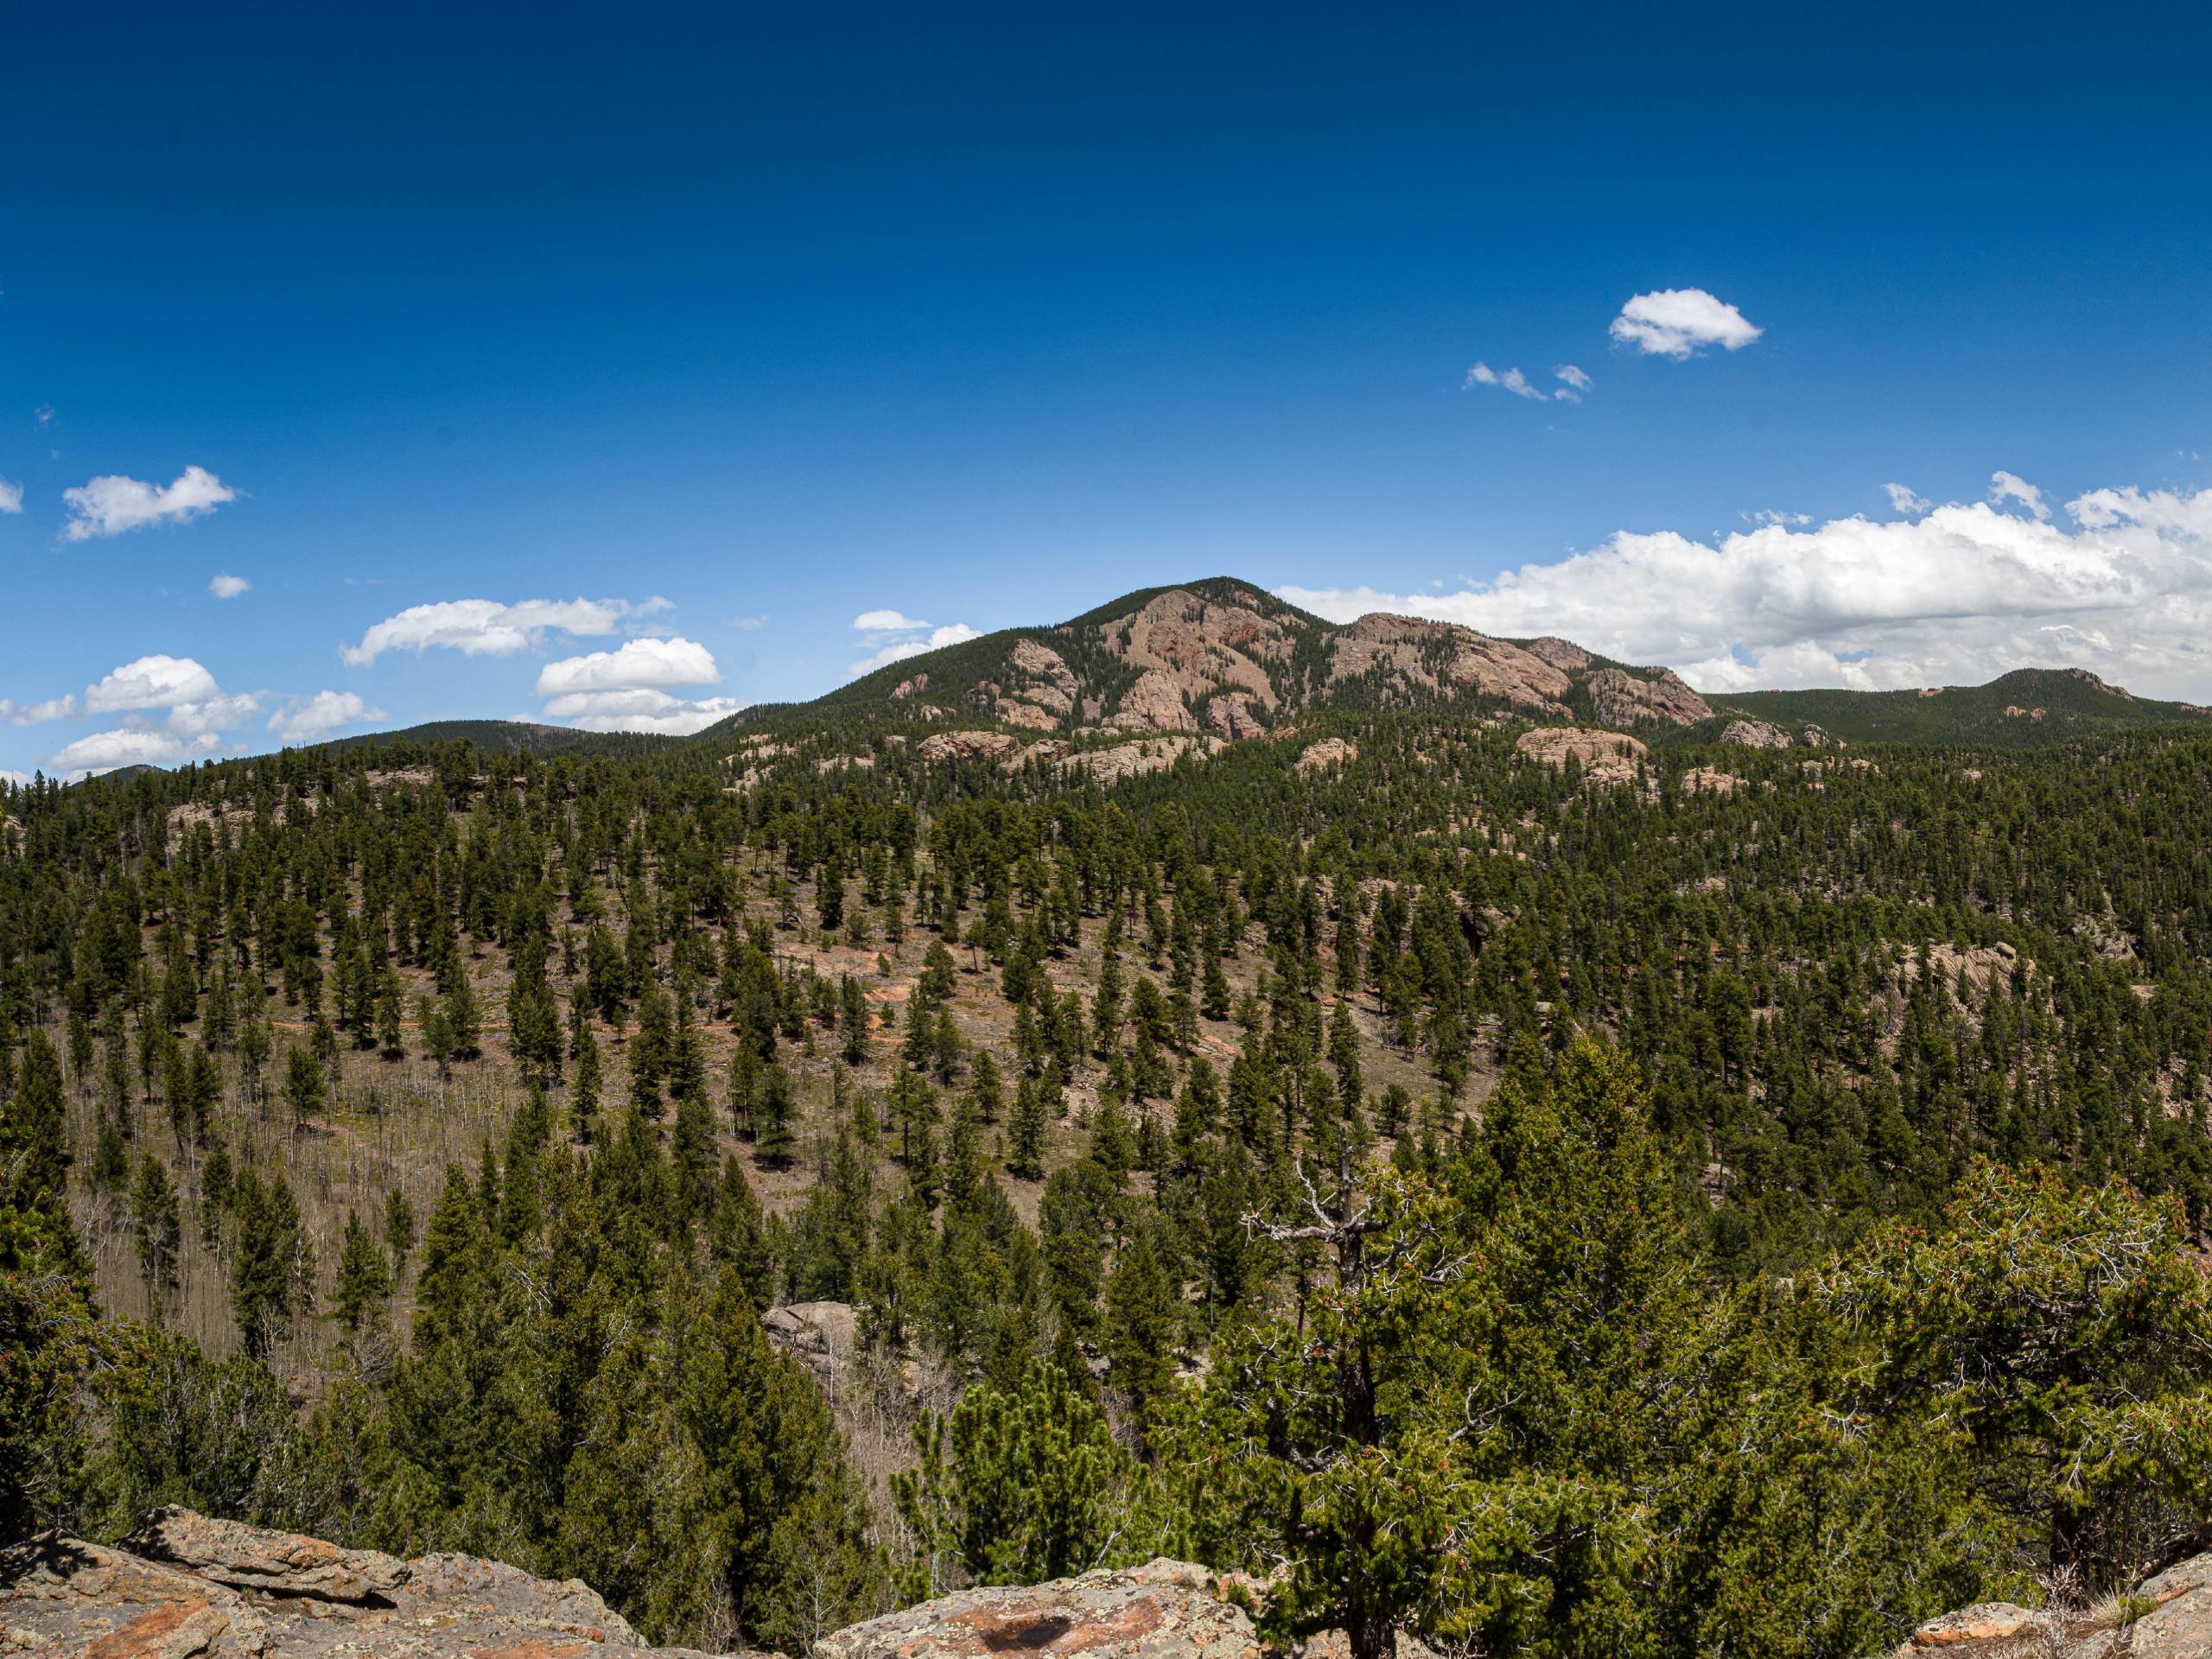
[364,1274]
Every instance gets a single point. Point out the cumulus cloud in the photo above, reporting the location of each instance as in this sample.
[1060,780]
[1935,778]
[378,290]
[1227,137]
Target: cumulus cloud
[155,682]
[627,689]
[1905,500]
[895,642]
[11,497]
[2010,487]
[652,662]
[485,627]
[21,780]
[1678,322]
[1958,596]
[38,713]
[229,586]
[109,506]
[306,719]
[640,708]
[128,746]
[170,710]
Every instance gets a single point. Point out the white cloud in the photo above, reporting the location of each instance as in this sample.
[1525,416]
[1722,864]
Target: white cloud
[106,750]
[112,505]
[654,661]
[21,780]
[38,713]
[305,719]
[155,682]
[44,414]
[485,627]
[886,622]
[1772,516]
[640,708]
[626,689]
[11,497]
[897,651]
[226,585]
[1573,376]
[1905,500]
[749,624]
[1512,380]
[1957,596]
[1677,322]
[2010,487]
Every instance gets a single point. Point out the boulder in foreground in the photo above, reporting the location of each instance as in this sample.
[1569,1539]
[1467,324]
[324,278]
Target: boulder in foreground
[1166,1610]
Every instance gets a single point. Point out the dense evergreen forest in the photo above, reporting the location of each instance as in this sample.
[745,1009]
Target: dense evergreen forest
[1744,1206]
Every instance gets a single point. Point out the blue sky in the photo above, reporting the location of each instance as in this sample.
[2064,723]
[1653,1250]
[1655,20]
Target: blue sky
[738,323]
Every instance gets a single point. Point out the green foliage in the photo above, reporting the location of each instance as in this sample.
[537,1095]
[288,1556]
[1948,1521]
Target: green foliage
[1022,1483]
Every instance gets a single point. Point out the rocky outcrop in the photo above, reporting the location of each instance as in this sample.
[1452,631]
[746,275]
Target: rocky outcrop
[1167,1610]
[1129,760]
[1604,757]
[1559,653]
[964,745]
[1154,703]
[1231,714]
[184,1586]
[911,687]
[1328,752]
[820,1336]
[1443,657]
[2168,1616]
[1621,699]
[1755,735]
[1708,780]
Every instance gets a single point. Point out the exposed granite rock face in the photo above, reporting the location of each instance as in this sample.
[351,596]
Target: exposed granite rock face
[1129,760]
[1606,757]
[1708,780]
[1329,752]
[1167,1610]
[185,1586]
[1620,699]
[1154,703]
[1441,656]
[1559,653]
[1231,716]
[1755,735]
[964,745]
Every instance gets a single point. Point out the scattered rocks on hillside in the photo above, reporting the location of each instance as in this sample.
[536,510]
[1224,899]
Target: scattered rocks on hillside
[1621,699]
[1604,757]
[1755,735]
[1328,752]
[1167,1610]
[2013,711]
[913,688]
[185,1585]
[964,745]
[1708,780]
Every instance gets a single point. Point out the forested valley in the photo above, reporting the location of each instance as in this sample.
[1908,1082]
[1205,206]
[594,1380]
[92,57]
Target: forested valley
[1745,1200]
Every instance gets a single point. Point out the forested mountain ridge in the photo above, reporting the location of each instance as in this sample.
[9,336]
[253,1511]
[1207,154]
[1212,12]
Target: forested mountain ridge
[1657,1197]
